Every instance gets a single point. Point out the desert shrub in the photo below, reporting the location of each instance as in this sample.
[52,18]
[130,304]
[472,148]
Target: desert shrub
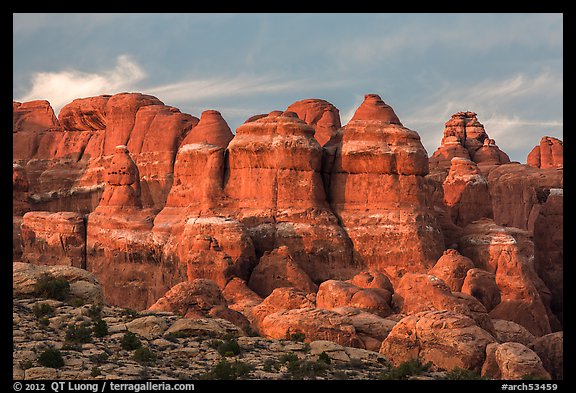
[406,369]
[42,310]
[95,371]
[47,286]
[51,358]
[130,341]
[95,312]
[270,364]
[228,370]
[229,348]
[78,334]
[99,358]
[323,357]
[306,369]
[100,328]
[144,355]
[26,364]
[289,358]
[44,322]
[299,337]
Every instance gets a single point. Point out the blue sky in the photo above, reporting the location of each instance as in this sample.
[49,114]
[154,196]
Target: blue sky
[508,68]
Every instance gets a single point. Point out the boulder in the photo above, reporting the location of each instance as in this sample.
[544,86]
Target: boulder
[550,350]
[210,327]
[83,285]
[482,285]
[508,331]
[314,323]
[149,327]
[370,328]
[421,292]
[334,293]
[191,299]
[277,269]
[452,268]
[512,361]
[445,338]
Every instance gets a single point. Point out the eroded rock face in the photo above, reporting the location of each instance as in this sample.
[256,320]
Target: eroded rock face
[191,299]
[321,115]
[278,269]
[370,328]
[506,252]
[466,192]
[281,299]
[548,154]
[275,189]
[465,137]
[376,188]
[508,331]
[33,116]
[512,361]
[54,239]
[445,338]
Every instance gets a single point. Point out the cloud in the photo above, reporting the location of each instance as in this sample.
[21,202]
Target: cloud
[61,87]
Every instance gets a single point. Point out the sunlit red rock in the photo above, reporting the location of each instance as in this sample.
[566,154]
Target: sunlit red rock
[332,294]
[452,268]
[321,115]
[512,361]
[482,285]
[445,338]
[548,154]
[376,188]
[211,129]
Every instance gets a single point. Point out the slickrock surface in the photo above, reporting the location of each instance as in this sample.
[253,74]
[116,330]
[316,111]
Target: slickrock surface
[321,115]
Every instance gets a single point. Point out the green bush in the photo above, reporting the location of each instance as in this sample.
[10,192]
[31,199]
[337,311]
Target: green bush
[95,371]
[130,341]
[44,321]
[270,364]
[42,310]
[300,337]
[229,348]
[323,357]
[460,373]
[144,355]
[100,328]
[26,364]
[78,334]
[51,358]
[289,358]
[99,358]
[228,370]
[47,286]
[406,369]
[95,312]
[306,369]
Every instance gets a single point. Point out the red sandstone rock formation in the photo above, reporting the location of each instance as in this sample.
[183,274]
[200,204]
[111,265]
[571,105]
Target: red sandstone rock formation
[548,154]
[332,294]
[550,350]
[191,299]
[482,285]
[211,129]
[445,338]
[465,137]
[281,299]
[517,192]
[54,239]
[278,269]
[506,252]
[549,248]
[512,361]
[376,189]
[33,116]
[452,268]
[370,328]
[275,189]
[321,115]
[508,331]
[421,292]
[466,193]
